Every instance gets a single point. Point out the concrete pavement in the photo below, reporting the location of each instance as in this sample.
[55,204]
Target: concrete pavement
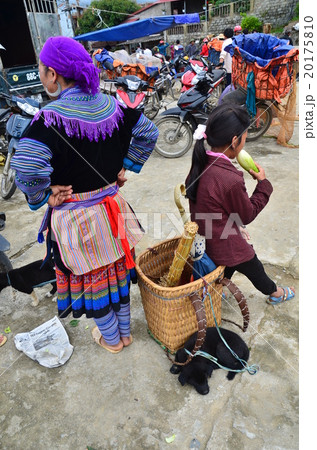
[131,401]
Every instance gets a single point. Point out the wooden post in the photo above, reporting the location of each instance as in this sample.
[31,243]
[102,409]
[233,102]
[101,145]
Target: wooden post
[185,33]
[231,9]
[267,28]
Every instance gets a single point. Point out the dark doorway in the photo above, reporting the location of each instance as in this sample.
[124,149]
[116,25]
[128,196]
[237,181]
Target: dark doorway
[15,35]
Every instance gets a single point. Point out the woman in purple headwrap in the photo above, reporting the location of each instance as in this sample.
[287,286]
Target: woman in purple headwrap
[73,158]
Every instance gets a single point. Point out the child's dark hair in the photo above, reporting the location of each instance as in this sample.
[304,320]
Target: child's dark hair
[228,33]
[224,122]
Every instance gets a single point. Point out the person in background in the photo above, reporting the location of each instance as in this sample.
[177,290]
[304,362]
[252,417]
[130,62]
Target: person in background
[237,30]
[172,50]
[162,47]
[204,49]
[73,159]
[191,49]
[147,52]
[139,50]
[178,48]
[219,202]
[225,58]
[287,37]
[245,31]
[215,46]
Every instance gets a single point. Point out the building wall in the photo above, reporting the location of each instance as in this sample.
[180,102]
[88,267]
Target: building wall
[276,12]
[156,10]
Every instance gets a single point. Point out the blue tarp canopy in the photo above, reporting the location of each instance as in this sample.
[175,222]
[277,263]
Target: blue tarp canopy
[259,47]
[145,27]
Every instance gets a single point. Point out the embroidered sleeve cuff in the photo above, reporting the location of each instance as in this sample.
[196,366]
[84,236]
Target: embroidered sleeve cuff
[38,205]
[130,165]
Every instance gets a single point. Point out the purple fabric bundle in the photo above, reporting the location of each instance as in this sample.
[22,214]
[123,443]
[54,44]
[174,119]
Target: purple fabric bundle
[71,60]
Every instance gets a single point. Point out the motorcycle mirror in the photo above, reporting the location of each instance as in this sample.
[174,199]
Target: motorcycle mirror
[204,61]
[211,68]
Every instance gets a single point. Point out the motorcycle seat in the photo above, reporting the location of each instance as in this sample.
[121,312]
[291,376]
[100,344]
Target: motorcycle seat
[217,73]
[238,97]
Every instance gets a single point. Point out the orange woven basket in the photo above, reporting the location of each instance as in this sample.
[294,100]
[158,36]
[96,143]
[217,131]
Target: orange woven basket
[273,81]
[169,313]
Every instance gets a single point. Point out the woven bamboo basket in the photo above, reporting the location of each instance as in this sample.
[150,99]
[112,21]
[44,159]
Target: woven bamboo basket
[168,311]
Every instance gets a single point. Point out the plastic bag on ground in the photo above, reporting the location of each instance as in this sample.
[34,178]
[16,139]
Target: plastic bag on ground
[48,344]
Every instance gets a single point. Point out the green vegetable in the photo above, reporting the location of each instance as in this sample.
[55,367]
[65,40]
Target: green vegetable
[245,161]
[170,439]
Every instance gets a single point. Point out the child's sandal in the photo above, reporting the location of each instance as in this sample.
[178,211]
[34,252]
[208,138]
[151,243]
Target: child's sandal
[288,295]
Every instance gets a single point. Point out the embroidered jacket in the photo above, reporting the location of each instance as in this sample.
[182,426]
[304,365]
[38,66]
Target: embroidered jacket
[83,141]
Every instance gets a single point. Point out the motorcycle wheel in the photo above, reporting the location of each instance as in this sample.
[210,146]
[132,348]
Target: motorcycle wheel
[175,138]
[8,185]
[151,107]
[215,95]
[177,87]
[3,144]
[261,123]
[5,264]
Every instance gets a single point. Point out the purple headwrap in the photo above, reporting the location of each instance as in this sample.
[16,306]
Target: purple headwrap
[70,59]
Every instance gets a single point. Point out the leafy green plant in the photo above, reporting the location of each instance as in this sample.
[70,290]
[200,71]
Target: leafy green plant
[221,2]
[251,22]
[91,18]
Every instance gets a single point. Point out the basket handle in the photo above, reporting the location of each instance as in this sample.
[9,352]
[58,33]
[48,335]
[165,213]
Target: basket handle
[242,301]
[202,328]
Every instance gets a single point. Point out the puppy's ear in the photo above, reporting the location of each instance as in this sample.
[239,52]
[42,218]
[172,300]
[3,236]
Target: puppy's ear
[181,355]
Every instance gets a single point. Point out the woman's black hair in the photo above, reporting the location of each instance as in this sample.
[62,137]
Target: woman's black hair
[224,122]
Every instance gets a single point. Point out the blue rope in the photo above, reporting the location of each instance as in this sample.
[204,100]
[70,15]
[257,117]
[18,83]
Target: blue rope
[251,369]
[44,283]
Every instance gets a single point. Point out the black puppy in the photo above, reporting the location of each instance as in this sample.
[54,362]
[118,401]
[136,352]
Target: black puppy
[197,371]
[26,278]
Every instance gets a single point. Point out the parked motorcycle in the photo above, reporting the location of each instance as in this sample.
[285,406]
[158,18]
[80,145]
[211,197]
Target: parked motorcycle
[5,264]
[163,87]
[177,125]
[131,91]
[23,111]
[194,67]
[138,94]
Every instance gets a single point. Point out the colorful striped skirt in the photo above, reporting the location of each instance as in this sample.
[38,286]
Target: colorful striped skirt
[93,293]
